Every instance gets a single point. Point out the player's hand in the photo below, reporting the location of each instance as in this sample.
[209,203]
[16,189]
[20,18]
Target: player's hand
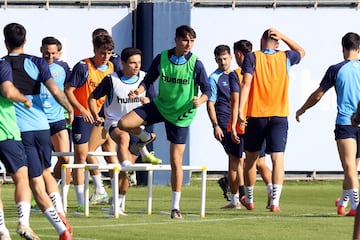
[218,133]
[86,115]
[274,34]
[28,103]
[99,121]
[234,136]
[298,114]
[70,117]
[144,100]
[134,93]
[196,102]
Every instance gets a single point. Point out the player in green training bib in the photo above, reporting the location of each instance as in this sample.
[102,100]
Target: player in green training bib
[180,75]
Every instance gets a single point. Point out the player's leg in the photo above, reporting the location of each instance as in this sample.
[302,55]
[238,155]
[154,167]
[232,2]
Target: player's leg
[347,152]
[80,135]
[14,159]
[275,144]
[98,137]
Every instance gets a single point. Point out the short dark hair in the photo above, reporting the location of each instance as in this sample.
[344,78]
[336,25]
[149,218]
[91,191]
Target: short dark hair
[184,30]
[266,36]
[126,53]
[104,41]
[15,35]
[51,41]
[99,31]
[244,46]
[350,41]
[221,49]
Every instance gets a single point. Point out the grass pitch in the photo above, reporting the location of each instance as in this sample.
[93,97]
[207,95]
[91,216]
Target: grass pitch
[308,212]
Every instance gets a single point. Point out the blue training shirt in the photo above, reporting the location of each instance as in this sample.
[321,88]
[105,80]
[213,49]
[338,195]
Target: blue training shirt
[60,72]
[222,85]
[36,69]
[345,77]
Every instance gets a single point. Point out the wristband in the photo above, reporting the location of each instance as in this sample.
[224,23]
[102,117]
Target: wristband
[214,125]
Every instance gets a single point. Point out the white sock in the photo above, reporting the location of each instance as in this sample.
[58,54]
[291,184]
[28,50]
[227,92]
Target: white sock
[235,199]
[277,188]
[249,193]
[122,201]
[344,199]
[23,210]
[98,183]
[144,151]
[144,135]
[56,200]
[53,217]
[79,191]
[175,203]
[126,163]
[354,198]
[3,227]
[269,188]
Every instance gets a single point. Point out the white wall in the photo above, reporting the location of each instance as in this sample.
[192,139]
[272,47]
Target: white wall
[311,142]
[73,27]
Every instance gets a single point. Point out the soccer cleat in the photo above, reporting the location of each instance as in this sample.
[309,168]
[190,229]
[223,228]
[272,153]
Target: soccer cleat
[80,208]
[131,175]
[140,144]
[98,198]
[351,213]
[121,212]
[274,208]
[223,183]
[232,206]
[26,232]
[151,159]
[65,236]
[66,223]
[176,214]
[340,209]
[3,236]
[249,206]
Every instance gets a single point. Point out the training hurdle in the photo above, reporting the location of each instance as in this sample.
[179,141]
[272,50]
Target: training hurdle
[117,168]
[150,169]
[72,166]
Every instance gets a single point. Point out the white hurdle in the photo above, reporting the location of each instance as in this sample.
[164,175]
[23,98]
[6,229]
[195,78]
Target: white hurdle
[117,168]
[71,166]
[150,169]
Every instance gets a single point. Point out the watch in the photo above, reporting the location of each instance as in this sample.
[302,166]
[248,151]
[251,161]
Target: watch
[214,125]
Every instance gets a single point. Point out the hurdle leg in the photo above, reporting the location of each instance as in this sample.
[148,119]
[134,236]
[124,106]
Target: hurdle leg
[149,201]
[203,192]
[86,191]
[116,191]
[62,186]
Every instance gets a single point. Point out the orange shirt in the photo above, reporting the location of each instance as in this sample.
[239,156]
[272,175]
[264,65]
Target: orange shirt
[95,76]
[268,95]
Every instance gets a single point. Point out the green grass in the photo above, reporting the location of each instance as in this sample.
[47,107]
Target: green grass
[308,212]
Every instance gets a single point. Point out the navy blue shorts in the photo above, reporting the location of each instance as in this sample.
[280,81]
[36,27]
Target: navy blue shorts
[348,131]
[273,130]
[12,155]
[262,151]
[38,150]
[81,130]
[150,114]
[230,147]
[58,126]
